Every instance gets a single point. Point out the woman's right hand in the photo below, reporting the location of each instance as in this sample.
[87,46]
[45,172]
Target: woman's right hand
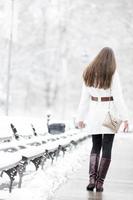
[126,126]
[81,124]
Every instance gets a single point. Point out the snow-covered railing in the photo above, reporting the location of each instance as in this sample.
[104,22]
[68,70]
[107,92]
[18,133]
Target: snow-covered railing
[35,150]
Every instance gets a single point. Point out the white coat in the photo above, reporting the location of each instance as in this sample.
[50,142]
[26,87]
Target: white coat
[93,113]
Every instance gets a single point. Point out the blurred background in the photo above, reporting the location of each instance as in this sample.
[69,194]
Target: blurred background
[45,45]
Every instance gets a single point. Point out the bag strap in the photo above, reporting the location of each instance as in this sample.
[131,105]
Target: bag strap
[109,101]
[109,108]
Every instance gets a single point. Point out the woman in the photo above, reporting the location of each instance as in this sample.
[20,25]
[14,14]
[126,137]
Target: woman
[101,87]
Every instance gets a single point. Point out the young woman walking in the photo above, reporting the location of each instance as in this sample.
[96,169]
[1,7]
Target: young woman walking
[101,87]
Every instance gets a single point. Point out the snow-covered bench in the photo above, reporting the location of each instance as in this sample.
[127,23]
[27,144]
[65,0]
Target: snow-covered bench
[16,155]
[21,128]
[34,149]
[14,159]
[24,127]
[9,164]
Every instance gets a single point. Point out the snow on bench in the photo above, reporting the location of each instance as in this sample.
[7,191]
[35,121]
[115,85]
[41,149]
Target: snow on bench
[21,127]
[37,149]
[9,164]
[5,130]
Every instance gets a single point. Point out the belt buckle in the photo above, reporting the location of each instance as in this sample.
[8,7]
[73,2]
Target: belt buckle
[98,99]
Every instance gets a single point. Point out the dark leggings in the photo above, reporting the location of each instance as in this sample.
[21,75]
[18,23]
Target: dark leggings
[102,141]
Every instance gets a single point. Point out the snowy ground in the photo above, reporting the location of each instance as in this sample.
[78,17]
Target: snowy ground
[42,184]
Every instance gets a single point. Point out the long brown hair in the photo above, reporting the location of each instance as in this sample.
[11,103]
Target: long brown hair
[99,72]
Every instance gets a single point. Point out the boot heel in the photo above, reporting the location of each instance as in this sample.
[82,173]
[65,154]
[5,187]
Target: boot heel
[99,190]
[90,187]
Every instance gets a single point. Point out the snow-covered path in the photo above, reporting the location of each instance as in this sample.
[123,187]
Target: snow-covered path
[118,183]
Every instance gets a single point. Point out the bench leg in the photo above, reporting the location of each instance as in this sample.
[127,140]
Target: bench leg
[21,169]
[10,186]
[11,173]
[37,162]
[57,152]
[44,158]
[74,143]
[51,155]
[64,151]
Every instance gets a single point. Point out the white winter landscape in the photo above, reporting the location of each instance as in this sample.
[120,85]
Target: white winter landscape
[41,72]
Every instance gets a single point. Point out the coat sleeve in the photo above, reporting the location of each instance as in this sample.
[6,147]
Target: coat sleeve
[83,107]
[118,97]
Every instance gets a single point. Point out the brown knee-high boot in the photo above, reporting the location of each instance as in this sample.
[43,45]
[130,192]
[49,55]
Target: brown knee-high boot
[93,167]
[102,171]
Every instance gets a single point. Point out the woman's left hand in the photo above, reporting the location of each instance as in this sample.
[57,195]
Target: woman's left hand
[81,124]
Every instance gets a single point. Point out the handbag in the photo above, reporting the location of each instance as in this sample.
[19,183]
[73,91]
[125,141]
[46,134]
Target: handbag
[112,122]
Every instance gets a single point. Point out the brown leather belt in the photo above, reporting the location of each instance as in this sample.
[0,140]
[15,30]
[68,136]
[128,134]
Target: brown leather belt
[102,98]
